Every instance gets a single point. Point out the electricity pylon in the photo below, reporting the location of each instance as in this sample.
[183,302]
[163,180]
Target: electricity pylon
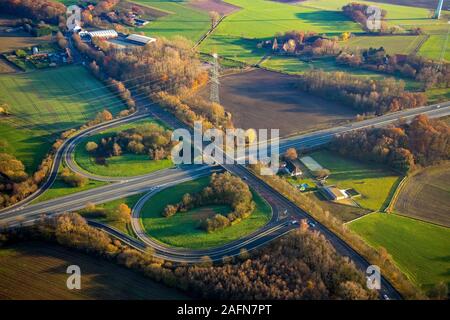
[214,95]
[437,13]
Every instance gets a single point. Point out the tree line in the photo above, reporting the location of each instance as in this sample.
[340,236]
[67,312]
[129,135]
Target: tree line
[224,189]
[364,95]
[404,146]
[15,183]
[303,43]
[114,85]
[150,139]
[431,73]
[45,10]
[167,71]
[300,265]
[360,13]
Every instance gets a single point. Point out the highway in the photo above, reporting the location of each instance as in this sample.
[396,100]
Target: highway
[279,224]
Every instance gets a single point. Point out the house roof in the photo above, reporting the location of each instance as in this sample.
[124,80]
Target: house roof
[334,193]
[293,165]
[103,34]
[140,39]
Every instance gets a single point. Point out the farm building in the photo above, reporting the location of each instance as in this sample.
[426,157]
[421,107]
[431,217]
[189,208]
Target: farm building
[102,34]
[333,193]
[293,168]
[140,22]
[138,39]
[310,163]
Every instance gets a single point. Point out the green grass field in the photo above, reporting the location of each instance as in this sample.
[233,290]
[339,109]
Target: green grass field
[60,189]
[181,230]
[45,103]
[420,249]
[111,216]
[374,182]
[181,20]
[397,15]
[236,37]
[293,65]
[392,44]
[125,165]
[434,47]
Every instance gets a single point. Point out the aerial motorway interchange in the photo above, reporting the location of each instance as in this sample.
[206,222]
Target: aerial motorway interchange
[89,111]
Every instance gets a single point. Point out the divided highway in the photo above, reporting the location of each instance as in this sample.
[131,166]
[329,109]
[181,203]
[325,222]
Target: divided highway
[283,211]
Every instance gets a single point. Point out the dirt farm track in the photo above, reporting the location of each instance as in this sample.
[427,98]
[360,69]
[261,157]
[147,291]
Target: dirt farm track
[263,99]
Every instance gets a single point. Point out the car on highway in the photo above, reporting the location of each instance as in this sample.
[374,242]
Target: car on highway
[312,224]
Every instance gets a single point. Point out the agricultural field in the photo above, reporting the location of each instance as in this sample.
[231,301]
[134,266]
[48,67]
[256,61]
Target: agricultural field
[10,43]
[17,39]
[262,99]
[7,67]
[419,249]
[401,44]
[181,230]
[397,14]
[236,37]
[45,103]
[42,269]
[125,165]
[426,196]
[219,6]
[375,183]
[435,47]
[181,19]
[413,3]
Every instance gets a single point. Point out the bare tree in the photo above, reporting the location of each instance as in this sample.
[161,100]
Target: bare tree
[215,17]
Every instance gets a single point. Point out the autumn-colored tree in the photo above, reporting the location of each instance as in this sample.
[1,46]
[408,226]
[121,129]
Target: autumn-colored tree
[124,209]
[291,154]
[104,115]
[345,36]
[423,142]
[91,146]
[124,213]
[40,10]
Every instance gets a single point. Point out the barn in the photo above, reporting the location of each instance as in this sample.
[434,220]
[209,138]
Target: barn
[138,39]
[333,193]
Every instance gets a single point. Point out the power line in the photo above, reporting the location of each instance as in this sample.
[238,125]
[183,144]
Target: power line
[215,82]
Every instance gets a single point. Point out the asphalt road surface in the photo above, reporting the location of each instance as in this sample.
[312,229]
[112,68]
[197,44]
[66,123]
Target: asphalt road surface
[284,211]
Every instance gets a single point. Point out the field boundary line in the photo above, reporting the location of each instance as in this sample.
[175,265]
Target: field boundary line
[419,220]
[210,31]
[420,44]
[397,191]
[363,216]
